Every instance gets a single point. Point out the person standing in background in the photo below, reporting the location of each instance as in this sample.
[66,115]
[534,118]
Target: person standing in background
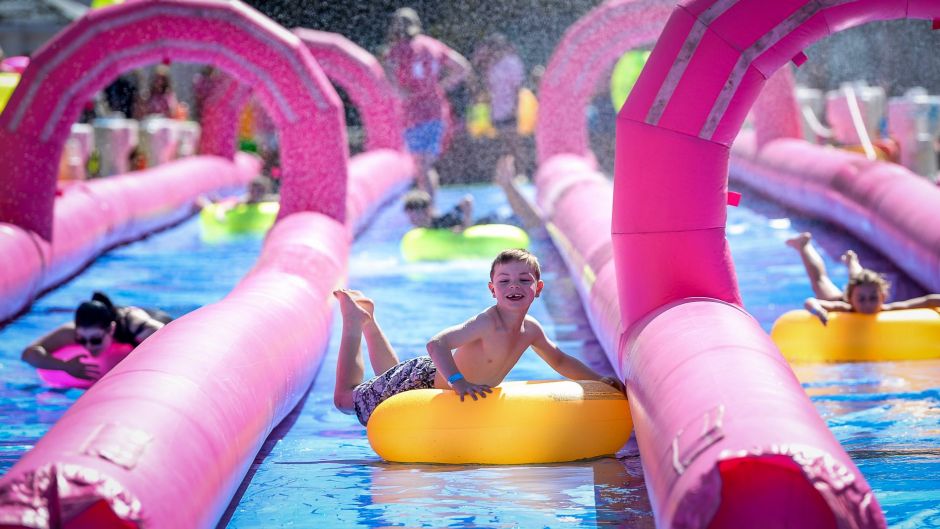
[423,70]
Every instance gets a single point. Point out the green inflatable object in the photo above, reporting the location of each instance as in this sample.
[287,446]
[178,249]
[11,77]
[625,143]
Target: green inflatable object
[482,241]
[219,222]
[95,4]
[625,74]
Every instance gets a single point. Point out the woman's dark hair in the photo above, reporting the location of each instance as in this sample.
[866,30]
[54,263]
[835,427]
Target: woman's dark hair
[99,312]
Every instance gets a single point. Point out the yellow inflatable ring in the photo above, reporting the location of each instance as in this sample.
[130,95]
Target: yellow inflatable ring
[519,423]
[851,337]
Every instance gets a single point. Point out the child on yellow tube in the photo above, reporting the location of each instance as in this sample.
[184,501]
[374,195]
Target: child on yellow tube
[487,345]
[865,292]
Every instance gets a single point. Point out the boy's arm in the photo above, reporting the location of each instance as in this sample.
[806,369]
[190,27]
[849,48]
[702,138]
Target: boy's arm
[440,349]
[567,365]
[457,68]
[930,301]
[821,308]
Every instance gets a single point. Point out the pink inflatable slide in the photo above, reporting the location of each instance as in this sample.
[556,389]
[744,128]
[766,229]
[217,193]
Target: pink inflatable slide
[165,438]
[726,433]
[885,204]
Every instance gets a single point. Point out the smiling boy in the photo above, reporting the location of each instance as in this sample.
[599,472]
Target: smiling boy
[469,358]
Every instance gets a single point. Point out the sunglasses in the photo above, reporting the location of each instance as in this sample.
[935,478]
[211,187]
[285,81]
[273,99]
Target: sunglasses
[84,340]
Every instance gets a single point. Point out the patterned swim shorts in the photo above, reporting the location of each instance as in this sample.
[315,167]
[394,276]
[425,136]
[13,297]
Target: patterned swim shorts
[417,373]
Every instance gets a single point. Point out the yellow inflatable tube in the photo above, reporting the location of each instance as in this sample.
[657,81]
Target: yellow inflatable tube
[519,423]
[850,337]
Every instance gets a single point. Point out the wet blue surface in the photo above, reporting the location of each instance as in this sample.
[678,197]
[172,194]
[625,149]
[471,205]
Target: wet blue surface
[317,470]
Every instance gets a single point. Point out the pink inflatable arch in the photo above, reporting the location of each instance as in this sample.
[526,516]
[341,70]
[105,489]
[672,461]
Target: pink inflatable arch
[359,73]
[219,118]
[704,379]
[586,53]
[68,70]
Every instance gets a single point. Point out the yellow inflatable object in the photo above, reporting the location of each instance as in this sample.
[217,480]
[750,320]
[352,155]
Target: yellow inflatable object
[95,4]
[8,82]
[519,423]
[528,112]
[851,337]
[479,123]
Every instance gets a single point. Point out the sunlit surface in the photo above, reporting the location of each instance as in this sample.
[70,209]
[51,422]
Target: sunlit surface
[317,470]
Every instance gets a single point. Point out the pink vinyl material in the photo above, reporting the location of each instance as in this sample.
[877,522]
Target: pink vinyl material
[728,436]
[220,115]
[361,76]
[133,440]
[104,361]
[92,216]
[884,204]
[675,273]
[25,256]
[375,177]
[231,36]
[194,403]
[586,54]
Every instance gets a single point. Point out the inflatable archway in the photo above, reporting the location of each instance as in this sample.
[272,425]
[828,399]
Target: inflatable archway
[229,35]
[747,446]
[585,54]
[219,116]
[359,73]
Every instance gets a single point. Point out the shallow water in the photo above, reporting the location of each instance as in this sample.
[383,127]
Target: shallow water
[317,469]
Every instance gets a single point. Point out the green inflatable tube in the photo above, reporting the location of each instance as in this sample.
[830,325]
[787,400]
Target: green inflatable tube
[482,241]
[220,222]
[625,74]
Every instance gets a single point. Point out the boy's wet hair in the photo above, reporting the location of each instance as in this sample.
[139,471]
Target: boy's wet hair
[99,312]
[867,277]
[520,255]
[417,200]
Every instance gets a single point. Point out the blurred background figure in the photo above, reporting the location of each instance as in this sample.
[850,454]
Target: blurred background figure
[423,69]
[159,97]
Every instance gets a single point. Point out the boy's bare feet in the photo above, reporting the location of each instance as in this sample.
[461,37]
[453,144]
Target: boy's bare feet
[801,240]
[850,260]
[354,305]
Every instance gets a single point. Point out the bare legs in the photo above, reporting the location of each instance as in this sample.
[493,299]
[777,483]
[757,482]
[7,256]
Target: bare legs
[358,321]
[427,178]
[823,287]
[850,260]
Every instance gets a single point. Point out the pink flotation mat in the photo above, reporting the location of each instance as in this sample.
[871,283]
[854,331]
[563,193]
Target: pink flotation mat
[105,362]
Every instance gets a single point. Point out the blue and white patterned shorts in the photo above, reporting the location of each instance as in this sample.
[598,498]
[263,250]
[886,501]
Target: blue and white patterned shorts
[417,373]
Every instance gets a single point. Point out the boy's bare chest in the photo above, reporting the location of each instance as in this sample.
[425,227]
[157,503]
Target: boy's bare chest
[502,345]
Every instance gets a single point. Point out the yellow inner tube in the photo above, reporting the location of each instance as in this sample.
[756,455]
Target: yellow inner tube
[850,337]
[519,423]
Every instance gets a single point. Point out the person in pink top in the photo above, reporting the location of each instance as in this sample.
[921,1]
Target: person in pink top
[423,69]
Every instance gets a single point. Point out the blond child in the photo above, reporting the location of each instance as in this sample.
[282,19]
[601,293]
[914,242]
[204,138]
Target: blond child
[469,358]
[865,292]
